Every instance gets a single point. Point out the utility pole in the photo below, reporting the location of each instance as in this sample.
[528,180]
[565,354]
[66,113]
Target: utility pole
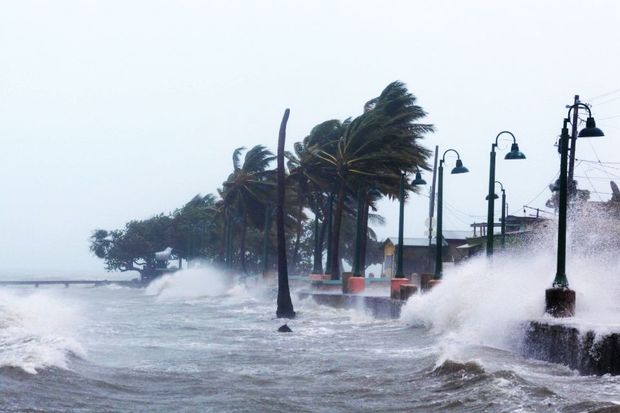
[573,146]
[431,208]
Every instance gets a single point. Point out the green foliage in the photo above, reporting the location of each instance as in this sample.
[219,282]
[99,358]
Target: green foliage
[133,248]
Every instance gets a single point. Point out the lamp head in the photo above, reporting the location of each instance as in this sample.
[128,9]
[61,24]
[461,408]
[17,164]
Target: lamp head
[514,153]
[459,168]
[590,131]
[418,180]
[494,197]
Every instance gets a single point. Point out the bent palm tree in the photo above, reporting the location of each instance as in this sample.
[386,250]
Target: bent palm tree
[375,148]
[246,192]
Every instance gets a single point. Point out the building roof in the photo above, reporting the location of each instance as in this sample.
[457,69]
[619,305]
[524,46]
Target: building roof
[413,242]
[456,235]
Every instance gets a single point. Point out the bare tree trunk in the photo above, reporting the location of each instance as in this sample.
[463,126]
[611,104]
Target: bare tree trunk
[285,305]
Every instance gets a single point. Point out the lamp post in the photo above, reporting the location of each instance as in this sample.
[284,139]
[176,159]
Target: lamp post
[401,218]
[458,169]
[514,153]
[503,215]
[560,300]
[503,211]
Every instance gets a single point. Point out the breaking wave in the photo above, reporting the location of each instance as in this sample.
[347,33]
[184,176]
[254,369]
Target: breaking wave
[37,331]
[486,302]
[190,284]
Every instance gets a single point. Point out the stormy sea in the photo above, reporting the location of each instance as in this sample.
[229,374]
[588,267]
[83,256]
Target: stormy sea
[201,341]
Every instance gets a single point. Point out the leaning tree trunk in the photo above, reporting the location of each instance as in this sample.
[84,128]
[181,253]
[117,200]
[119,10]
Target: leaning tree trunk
[285,305]
[335,258]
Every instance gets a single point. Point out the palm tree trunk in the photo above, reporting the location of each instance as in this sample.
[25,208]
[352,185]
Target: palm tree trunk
[298,234]
[267,228]
[364,235]
[330,231]
[317,267]
[244,231]
[335,264]
[284,305]
[321,247]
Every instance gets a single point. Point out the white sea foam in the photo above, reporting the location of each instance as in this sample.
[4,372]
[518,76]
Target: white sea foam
[37,330]
[484,302]
[191,283]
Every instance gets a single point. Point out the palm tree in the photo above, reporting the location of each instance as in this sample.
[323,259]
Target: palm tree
[196,228]
[375,148]
[284,304]
[313,189]
[246,192]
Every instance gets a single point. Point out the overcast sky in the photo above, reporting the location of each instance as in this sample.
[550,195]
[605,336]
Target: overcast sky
[115,110]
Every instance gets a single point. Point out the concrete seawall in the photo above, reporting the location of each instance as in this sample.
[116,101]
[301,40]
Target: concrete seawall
[377,306]
[584,351]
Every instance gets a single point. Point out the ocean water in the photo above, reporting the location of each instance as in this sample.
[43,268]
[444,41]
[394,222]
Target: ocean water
[199,341]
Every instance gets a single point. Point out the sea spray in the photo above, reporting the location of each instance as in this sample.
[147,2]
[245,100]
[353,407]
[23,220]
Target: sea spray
[190,283]
[487,301]
[37,330]
[206,281]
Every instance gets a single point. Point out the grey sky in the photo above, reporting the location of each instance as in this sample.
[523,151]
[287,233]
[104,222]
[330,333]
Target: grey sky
[114,110]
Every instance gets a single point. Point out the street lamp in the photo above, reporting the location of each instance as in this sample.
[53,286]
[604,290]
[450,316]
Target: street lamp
[417,181]
[560,300]
[514,153]
[503,211]
[458,169]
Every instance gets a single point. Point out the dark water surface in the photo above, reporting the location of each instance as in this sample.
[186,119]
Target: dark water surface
[194,344]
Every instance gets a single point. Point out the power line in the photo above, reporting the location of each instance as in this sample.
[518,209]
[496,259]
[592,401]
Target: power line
[611,92]
[600,162]
[610,117]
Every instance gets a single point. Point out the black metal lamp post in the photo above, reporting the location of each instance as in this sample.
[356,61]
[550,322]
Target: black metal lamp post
[458,169]
[514,153]
[401,218]
[560,300]
[503,215]
[503,211]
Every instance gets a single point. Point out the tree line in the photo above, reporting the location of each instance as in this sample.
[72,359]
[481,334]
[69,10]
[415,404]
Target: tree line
[335,177]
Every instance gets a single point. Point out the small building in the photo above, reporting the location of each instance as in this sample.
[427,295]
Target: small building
[520,231]
[514,224]
[419,257]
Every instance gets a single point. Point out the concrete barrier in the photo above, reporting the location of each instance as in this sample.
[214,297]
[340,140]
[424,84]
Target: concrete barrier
[378,307]
[407,290]
[580,350]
